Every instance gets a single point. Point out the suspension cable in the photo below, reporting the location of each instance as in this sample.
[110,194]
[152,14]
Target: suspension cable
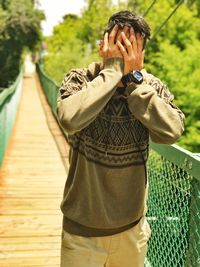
[167,19]
[149,8]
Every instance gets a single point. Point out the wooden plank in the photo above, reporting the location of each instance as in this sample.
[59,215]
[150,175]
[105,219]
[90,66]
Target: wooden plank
[16,194]
[29,212]
[28,222]
[25,190]
[13,246]
[27,261]
[32,180]
[39,203]
[30,253]
[27,241]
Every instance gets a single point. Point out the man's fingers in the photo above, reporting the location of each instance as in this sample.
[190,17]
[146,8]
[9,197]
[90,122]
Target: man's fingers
[113,35]
[139,42]
[143,52]
[125,30]
[132,35]
[133,40]
[105,42]
[127,44]
[122,49]
[105,38]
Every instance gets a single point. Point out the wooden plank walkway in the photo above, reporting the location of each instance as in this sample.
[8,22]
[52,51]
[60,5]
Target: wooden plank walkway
[31,186]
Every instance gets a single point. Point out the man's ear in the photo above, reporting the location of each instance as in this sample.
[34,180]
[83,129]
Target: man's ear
[101,44]
[101,48]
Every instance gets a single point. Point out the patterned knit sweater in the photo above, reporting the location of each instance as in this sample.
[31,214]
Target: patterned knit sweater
[108,133]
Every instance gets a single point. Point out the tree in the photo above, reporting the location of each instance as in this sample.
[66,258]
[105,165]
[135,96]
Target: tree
[75,41]
[172,55]
[19,28]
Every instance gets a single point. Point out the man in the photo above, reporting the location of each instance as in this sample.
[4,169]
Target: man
[109,110]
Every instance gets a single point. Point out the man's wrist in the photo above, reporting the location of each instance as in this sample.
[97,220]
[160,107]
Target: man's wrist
[134,77]
[131,70]
[116,63]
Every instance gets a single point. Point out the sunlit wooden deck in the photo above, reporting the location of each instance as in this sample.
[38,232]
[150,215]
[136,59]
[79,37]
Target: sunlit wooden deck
[31,185]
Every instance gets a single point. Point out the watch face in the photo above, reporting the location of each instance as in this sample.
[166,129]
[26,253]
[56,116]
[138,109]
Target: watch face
[135,77]
[138,77]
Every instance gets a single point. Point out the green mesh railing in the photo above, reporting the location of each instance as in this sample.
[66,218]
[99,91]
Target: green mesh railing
[174,207]
[173,203]
[50,88]
[9,100]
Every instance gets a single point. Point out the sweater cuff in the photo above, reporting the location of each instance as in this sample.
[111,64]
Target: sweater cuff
[93,70]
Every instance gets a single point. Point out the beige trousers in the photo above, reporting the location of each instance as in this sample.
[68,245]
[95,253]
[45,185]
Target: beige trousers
[126,249]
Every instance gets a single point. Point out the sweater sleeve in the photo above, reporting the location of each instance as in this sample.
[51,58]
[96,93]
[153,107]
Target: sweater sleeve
[81,100]
[152,104]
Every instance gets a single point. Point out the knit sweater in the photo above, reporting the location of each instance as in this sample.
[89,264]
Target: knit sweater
[108,133]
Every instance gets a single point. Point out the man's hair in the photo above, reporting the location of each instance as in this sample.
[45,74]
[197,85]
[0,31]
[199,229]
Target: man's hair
[130,19]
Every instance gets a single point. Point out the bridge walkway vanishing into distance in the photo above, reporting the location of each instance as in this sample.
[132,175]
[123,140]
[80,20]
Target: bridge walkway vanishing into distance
[32,178]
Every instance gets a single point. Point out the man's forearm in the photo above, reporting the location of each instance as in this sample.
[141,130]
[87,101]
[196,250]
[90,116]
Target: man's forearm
[79,110]
[164,121]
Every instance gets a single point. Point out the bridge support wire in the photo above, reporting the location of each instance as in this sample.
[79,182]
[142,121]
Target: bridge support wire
[167,19]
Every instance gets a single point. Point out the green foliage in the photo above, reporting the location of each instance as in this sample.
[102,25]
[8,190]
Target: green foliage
[65,50]
[74,41]
[180,69]
[19,28]
[172,55]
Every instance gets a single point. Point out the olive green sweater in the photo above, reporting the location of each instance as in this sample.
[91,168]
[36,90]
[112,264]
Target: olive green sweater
[108,133]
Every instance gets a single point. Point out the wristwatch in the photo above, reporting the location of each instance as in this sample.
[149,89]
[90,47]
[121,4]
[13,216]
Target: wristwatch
[135,77]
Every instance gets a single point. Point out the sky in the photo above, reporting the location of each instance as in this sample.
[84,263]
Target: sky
[56,9]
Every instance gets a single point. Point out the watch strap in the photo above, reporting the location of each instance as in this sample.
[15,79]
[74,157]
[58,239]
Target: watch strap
[126,79]
[132,78]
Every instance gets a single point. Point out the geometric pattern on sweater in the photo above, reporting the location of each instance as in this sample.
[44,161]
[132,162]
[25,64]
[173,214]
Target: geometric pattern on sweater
[115,138]
[162,89]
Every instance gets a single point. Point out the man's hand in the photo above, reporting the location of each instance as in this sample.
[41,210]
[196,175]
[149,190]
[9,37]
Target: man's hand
[108,47]
[132,51]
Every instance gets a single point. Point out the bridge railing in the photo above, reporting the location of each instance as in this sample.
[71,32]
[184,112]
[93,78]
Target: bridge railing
[173,203]
[174,207]
[9,101]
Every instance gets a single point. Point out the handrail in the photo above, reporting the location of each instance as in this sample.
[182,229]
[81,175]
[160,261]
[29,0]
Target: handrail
[46,75]
[9,101]
[183,158]
[10,90]
[50,88]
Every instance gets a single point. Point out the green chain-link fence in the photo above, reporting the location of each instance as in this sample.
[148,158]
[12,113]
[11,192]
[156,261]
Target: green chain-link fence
[174,199]
[50,88]
[9,100]
[174,207]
